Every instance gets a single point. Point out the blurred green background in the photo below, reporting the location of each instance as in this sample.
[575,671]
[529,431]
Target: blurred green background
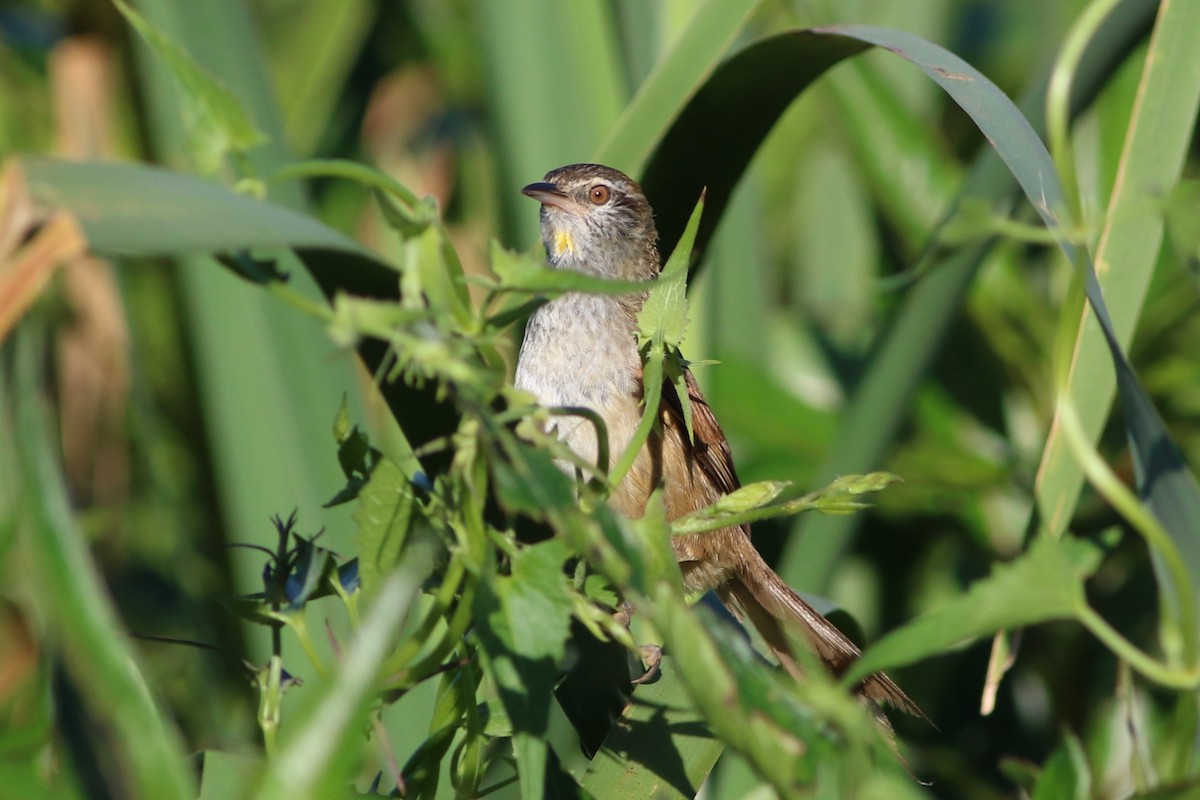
[193,409]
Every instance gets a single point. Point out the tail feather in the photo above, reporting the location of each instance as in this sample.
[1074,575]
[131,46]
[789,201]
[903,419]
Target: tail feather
[770,605]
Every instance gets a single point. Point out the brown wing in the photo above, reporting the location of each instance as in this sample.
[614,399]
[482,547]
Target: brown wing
[702,472]
[711,455]
[726,560]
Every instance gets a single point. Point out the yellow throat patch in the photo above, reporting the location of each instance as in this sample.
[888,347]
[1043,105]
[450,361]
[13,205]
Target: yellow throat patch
[563,243]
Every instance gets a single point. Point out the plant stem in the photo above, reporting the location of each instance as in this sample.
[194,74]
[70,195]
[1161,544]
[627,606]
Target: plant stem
[1148,667]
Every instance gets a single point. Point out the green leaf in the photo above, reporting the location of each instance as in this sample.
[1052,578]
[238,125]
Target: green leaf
[661,747]
[841,496]
[755,86]
[316,758]
[712,27]
[137,210]
[749,497]
[1066,774]
[130,209]
[530,482]
[663,318]
[96,649]
[537,598]
[1156,145]
[522,623]
[757,502]
[1181,209]
[214,119]
[442,289]
[384,517]
[226,776]
[1045,583]
[654,533]
[356,457]
[526,273]
[786,736]
[1173,83]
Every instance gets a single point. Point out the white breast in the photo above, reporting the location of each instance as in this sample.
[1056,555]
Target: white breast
[579,350]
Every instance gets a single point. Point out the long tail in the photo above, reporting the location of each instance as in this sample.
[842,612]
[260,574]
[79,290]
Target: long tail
[761,596]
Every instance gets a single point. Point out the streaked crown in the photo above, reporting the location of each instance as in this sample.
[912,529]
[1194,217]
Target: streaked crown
[596,219]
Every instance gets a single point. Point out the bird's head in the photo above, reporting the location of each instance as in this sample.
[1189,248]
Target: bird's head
[596,220]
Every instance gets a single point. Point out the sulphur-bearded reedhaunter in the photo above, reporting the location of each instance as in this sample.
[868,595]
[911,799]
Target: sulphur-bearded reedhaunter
[581,350]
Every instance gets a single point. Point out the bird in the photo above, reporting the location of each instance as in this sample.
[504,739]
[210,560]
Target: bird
[581,350]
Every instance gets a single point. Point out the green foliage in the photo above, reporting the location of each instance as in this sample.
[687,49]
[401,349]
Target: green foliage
[216,123]
[474,599]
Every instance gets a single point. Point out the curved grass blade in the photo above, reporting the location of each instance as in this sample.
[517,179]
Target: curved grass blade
[702,151]
[1156,144]
[880,401]
[132,209]
[147,751]
[1164,480]
[711,29]
[139,210]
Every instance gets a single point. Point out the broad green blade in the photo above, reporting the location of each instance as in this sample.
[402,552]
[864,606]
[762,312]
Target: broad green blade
[1154,153]
[135,210]
[548,116]
[660,748]
[267,383]
[709,31]
[1045,583]
[1157,142]
[755,86]
[147,754]
[138,210]
[702,151]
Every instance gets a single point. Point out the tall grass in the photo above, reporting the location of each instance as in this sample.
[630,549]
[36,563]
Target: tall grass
[885,283]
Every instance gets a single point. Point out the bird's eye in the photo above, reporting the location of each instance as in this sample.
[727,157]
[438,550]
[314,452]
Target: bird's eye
[599,194]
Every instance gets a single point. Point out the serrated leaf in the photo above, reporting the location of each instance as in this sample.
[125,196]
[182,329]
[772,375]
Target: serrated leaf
[384,518]
[530,482]
[673,368]
[750,496]
[1066,775]
[538,600]
[1045,583]
[840,497]
[663,318]
[215,121]
[522,621]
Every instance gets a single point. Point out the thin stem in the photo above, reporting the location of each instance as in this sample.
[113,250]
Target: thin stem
[300,302]
[269,704]
[339,168]
[1119,495]
[1148,667]
[597,422]
[300,626]
[652,381]
[1058,96]
[698,523]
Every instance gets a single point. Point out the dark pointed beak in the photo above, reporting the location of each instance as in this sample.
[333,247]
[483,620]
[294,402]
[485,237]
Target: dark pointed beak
[548,195]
